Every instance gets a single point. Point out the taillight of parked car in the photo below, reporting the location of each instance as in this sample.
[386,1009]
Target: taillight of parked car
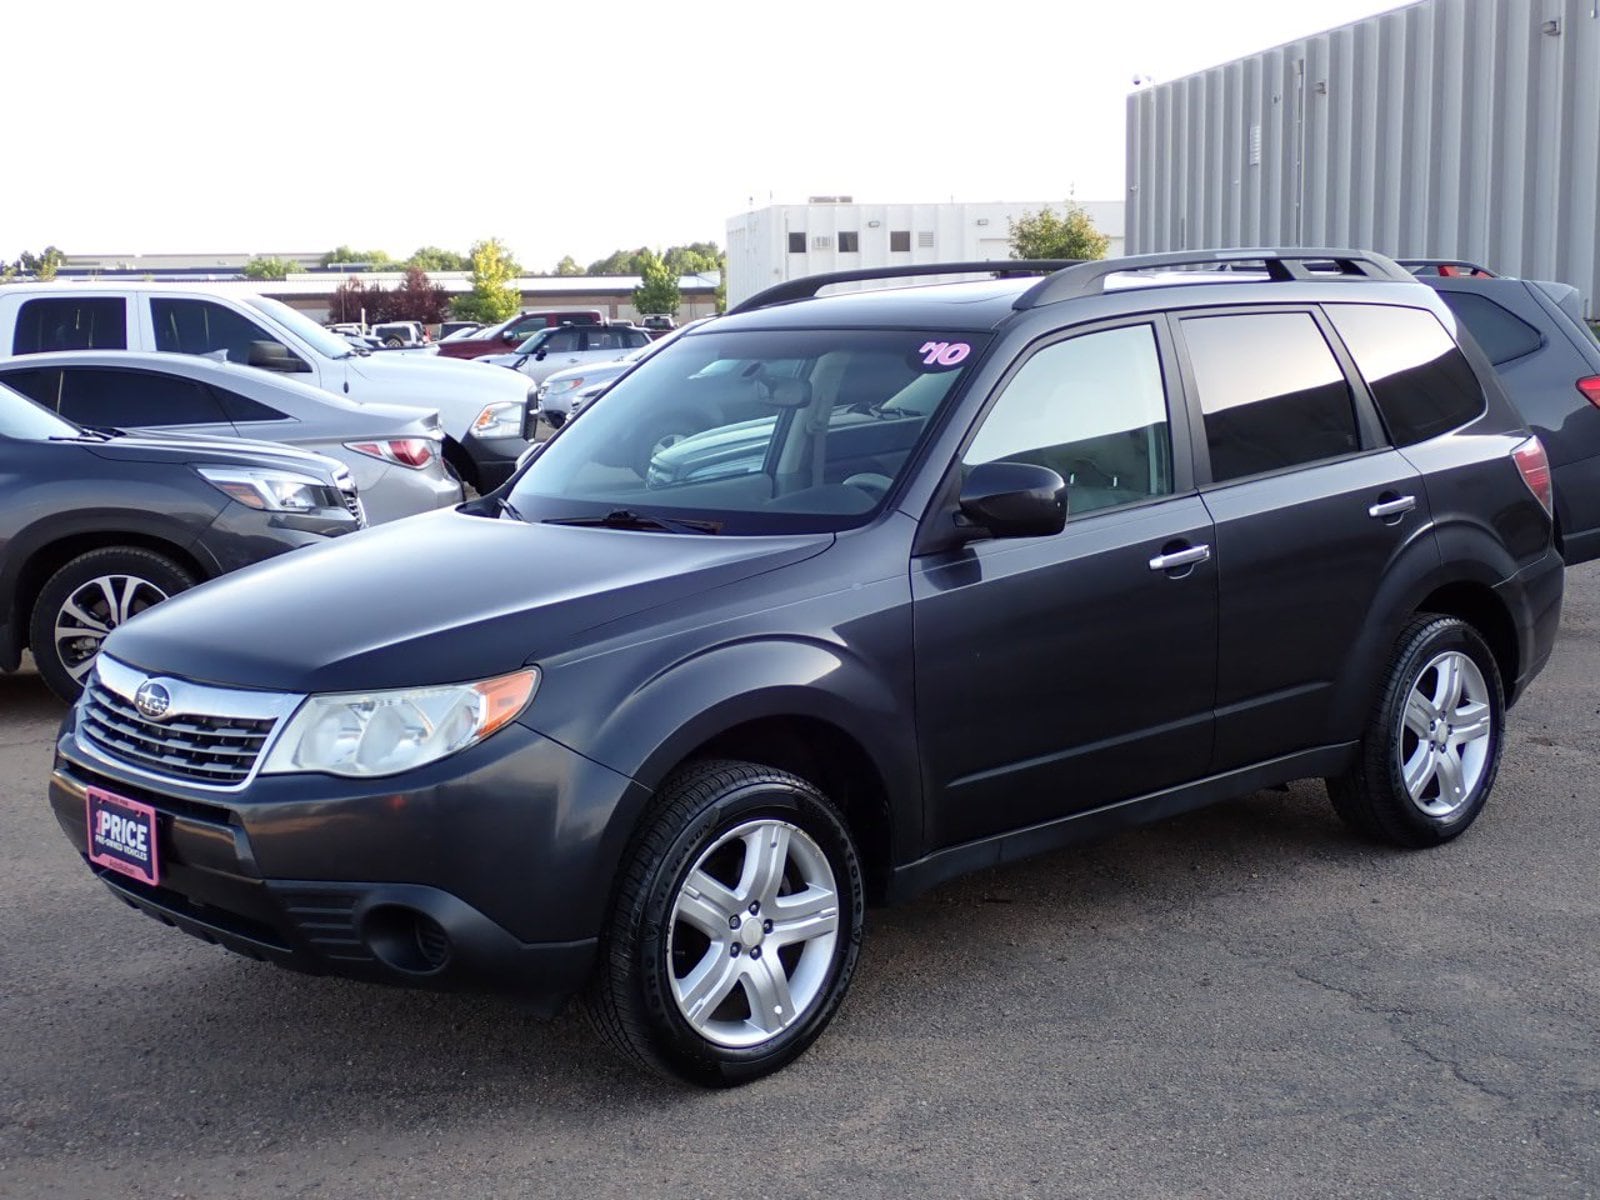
[415,453]
[1590,387]
[1535,467]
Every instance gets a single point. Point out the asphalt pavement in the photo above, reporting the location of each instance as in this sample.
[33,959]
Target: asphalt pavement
[1242,1002]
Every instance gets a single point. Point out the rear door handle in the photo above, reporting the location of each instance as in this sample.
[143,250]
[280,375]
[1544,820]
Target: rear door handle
[1180,558]
[1392,508]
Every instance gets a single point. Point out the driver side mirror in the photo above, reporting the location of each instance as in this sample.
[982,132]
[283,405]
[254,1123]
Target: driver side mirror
[1013,499]
[271,356]
[512,335]
[539,353]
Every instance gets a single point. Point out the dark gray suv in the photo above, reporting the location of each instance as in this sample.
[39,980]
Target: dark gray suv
[829,601]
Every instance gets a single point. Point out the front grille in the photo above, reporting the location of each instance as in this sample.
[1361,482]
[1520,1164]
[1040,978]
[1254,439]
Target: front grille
[353,503]
[214,750]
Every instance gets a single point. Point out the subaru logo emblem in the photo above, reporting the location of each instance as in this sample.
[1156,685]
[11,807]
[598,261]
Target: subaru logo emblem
[152,700]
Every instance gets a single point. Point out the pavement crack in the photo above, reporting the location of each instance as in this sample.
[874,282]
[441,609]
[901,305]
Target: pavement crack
[1392,1016]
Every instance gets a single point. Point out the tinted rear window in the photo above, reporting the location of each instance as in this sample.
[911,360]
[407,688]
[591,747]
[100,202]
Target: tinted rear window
[1502,334]
[1272,392]
[71,323]
[1419,378]
[135,399]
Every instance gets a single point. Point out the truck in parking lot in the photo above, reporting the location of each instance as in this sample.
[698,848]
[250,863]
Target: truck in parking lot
[486,414]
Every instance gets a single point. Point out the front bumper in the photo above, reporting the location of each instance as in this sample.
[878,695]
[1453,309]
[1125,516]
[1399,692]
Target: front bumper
[487,871]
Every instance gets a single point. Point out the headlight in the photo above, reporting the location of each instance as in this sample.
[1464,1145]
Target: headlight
[500,420]
[273,491]
[363,734]
[560,386]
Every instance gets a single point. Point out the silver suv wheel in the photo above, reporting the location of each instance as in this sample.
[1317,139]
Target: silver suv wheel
[753,933]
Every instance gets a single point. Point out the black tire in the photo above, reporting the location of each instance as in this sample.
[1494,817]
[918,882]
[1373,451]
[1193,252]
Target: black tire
[645,955]
[1373,797]
[154,577]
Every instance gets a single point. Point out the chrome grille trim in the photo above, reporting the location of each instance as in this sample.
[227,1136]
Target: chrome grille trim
[211,738]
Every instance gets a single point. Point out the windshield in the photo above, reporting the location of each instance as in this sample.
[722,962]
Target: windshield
[329,345]
[791,430]
[24,420]
[535,341]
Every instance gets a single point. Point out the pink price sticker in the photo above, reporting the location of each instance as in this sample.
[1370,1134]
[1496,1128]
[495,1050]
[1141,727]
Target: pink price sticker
[944,354]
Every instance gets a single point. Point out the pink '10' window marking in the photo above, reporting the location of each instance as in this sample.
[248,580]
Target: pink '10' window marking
[943,354]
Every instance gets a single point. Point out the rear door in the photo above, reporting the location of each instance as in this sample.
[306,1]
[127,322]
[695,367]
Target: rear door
[1311,506]
[1058,674]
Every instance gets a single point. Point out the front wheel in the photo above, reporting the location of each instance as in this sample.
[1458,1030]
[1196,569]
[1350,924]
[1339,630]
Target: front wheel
[735,930]
[89,597]
[1431,749]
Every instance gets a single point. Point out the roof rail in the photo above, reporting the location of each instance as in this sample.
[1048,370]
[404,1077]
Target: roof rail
[1446,266]
[808,286]
[1281,266]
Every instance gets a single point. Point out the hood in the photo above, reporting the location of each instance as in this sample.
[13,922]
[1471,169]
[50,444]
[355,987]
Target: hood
[500,360]
[177,447]
[439,598]
[403,371]
[598,372]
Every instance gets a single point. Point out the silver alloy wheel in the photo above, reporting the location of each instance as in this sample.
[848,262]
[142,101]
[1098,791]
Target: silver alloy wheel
[1445,734]
[753,932]
[93,611]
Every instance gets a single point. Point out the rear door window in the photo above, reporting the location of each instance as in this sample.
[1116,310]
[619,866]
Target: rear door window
[240,409]
[71,323]
[1419,378]
[1502,334]
[135,399]
[1272,393]
[205,327]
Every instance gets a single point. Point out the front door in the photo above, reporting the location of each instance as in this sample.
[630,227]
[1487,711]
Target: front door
[1058,674]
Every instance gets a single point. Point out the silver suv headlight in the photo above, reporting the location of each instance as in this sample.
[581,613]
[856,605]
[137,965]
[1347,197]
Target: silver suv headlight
[273,491]
[364,734]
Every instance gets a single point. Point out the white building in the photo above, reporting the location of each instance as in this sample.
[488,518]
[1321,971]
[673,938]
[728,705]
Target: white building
[785,241]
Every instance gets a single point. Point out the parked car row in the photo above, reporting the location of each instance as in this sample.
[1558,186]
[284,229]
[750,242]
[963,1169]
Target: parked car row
[485,412]
[831,599]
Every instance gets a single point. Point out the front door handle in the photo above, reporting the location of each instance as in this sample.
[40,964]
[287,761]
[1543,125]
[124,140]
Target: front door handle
[1392,508]
[1180,558]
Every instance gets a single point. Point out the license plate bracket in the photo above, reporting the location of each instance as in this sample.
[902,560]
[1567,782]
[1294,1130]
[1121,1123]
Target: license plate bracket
[122,836]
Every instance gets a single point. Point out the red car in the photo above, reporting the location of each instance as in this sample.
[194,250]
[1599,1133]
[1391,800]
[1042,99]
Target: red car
[508,335]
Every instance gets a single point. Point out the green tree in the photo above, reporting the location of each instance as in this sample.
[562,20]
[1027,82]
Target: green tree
[658,287]
[432,258]
[1045,234]
[269,268]
[492,298]
[42,265]
[623,262]
[722,283]
[371,259]
[568,266]
[694,259]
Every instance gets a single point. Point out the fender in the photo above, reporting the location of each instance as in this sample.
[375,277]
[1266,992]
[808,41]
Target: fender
[1459,552]
[687,704]
[51,529]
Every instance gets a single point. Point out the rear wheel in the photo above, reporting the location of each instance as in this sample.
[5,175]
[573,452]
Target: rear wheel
[735,930]
[1431,749]
[89,597]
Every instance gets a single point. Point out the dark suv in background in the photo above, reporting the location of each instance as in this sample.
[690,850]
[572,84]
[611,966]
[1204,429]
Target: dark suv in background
[928,579]
[96,526]
[1549,362]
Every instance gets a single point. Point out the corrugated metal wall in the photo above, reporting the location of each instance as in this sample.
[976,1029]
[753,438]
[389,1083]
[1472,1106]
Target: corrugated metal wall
[1446,129]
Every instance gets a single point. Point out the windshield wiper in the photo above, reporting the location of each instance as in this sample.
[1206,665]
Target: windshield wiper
[510,510]
[626,518]
[93,433]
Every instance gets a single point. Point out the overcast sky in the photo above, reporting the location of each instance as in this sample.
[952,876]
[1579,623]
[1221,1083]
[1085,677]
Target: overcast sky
[567,126]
